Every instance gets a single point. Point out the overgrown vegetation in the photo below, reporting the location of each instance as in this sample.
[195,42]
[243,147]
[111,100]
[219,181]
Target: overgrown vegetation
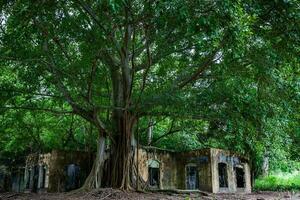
[223,73]
[279,182]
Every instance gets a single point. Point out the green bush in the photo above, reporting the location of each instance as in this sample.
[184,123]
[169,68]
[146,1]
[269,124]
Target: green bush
[279,182]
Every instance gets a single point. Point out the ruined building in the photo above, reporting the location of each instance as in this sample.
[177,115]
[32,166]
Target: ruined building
[211,170]
[58,171]
[11,178]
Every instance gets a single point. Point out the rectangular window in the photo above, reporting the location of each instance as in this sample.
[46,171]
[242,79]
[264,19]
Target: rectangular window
[43,181]
[240,177]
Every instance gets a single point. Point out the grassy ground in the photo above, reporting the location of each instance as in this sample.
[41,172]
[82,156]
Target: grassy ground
[279,182]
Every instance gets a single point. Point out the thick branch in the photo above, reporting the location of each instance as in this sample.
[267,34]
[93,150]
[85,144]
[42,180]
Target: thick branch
[87,9]
[165,135]
[37,109]
[89,115]
[30,93]
[174,115]
[15,59]
[209,60]
[125,59]
[90,81]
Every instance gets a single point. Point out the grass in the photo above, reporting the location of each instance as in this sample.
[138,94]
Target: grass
[279,182]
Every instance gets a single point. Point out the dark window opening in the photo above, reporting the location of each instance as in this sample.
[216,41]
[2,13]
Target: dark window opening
[191,177]
[223,178]
[28,179]
[35,178]
[72,177]
[154,177]
[43,182]
[240,177]
[21,183]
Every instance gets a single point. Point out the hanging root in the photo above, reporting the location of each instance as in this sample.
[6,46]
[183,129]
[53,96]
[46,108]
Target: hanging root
[136,180]
[131,179]
[94,180]
[143,185]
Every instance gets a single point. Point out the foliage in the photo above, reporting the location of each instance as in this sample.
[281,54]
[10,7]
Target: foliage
[280,182]
[211,73]
[32,132]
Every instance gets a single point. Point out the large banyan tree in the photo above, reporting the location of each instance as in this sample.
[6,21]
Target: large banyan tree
[115,61]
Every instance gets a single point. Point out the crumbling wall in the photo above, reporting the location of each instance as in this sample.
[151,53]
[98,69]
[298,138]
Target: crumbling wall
[167,166]
[197,169]
[47,172]
[201,160]
[232,160]
[17,180]
[35,163]
[59,162]
[171,170]
[4,179]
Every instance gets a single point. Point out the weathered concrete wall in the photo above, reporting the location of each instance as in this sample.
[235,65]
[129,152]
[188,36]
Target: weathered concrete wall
[232,160]
[199,158]
[34,165]
[4,179]
[60,160]
[247,178]
[17,176]
[54,166]
[176,170]
[173,169]
[167,166]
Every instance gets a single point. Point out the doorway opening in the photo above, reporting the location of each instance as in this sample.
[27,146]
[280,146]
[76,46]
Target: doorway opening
[35,178]
[27,184]
[154,175]
[72,177]
[223,177]
[43,178]
[192,181]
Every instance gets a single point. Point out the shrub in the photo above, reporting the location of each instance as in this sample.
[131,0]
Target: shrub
[279,182]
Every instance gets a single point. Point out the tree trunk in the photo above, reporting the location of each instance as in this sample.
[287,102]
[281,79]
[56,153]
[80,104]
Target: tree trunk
[117,168]
[265,164]
[94,180]
[122,154]
[150,132]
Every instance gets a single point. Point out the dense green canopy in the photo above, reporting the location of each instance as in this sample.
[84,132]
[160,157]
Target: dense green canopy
[203,73]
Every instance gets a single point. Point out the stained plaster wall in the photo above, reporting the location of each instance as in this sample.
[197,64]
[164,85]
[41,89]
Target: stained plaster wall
[60,160]
[39,160]
[11,179]
[56,163]
[231,159]
[199,158]
[17,176]
[173,168]
[4,178]
[167,166]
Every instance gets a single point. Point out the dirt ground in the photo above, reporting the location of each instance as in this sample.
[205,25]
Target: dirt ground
[107,194]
